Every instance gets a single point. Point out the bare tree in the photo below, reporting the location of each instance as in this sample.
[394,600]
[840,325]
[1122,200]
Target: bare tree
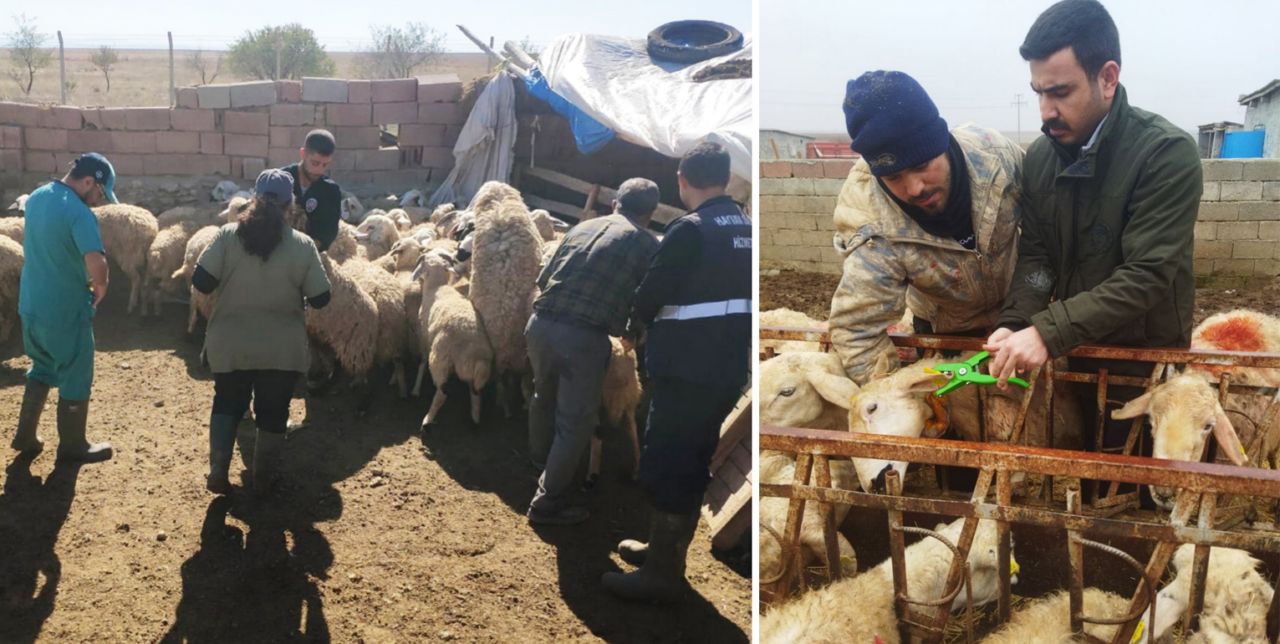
[105,59]
[397,51]
[27,53]
[198,62]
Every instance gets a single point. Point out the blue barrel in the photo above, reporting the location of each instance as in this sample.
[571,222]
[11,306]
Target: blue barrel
[1245,144]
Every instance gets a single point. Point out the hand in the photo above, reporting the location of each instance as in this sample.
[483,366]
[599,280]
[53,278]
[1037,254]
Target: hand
[627,344]
[1015,352]
[99,292]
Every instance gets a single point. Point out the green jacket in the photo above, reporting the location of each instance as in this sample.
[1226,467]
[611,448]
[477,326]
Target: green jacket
[1106,248]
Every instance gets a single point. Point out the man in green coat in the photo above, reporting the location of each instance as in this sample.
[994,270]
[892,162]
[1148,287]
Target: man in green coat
[1112,194]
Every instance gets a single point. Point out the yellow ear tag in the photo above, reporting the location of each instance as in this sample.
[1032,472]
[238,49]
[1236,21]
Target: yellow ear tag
[1137,632]
[1014,568]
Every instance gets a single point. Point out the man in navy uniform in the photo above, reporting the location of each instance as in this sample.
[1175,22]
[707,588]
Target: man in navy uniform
[313,191]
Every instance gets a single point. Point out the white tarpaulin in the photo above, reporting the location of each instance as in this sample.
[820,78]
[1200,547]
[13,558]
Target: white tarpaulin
[485,147]
[653,104]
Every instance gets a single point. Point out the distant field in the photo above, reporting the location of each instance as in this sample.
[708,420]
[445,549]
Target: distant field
[141,78]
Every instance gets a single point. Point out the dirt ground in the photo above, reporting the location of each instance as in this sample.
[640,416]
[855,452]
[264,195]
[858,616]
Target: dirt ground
[380,534]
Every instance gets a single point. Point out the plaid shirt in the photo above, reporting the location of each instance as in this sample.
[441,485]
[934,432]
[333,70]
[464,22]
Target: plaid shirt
[593,275]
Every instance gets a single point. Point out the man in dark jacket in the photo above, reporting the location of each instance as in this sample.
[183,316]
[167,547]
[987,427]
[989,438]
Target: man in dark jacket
[695,301]
[1112,195]
[314,192]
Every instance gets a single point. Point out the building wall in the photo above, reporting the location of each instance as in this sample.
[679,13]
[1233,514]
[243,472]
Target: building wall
[789,146]
[1237,233]
[1265,112]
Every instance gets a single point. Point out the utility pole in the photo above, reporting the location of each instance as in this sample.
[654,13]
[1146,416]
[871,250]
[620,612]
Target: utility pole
[62,68]
[173,87]
[1017,106]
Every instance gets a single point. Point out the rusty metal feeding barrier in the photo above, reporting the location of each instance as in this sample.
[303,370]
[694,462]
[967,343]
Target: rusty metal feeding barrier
[1199,485]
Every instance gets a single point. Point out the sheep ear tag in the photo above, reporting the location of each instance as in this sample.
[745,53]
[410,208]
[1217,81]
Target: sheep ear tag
[962,373]
[1138,632]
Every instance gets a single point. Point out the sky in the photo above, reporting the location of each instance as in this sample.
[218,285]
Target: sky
[1187,61]
[343,25]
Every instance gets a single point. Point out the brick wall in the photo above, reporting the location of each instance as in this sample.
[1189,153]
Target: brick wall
[234,131]
[1237,235]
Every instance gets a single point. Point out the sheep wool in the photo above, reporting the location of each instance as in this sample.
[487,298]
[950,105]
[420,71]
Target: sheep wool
[393,327]
[504,271]
[199,304]
[13,227]
[11,259]
[348,325]
[164,258]
[127,232]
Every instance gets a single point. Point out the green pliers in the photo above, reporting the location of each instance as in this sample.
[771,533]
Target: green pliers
[959,374]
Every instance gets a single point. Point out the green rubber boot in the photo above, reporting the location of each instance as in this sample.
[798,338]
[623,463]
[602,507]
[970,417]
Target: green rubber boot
[222,443]
[661,577]
[73,416]
[26,439]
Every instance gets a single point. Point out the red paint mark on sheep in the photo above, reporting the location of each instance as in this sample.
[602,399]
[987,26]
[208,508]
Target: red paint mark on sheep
[1234,334]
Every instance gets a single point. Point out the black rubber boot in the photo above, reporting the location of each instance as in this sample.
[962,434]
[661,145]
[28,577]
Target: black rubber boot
[73,416]
[266,461]
[222,443]
[633,551]
[27,439]
[661,578]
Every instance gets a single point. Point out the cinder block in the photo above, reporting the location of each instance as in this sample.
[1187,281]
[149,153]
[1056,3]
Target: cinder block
[245,145]
[441,88]
[92,118]
[359,91]
[288,137]
[827,187]
[251,167]
[1206,230]
[20,114]
[1253,250]
[1271,190]
[61,117]
[188,97]
[1210,249]
[342,161]
[1241,190]
[800,221]
[357,137]
[809,169]
[774,204]
[396,90]
[444,113]
[1218,211]
[127,164]
[134,142]
[293,115]
[451,133]
[89,141]
[837,169]
[1232,230]
[244,122]
[775,169]
[324,90]
[792,187]
[279,157]
[253,94]
[420,134]
[288,91]
[437,157]
[147,118]
[237,166]
[210,143]
[1259,211]
[786,237]
[178,142]
[1267,267]
[1212,191]
[114,118]
[39,161]
[1233,266]
[1262,169]
[1269,230]
[388,113]
[193,120]
[348,114]
[11,161]
[10,137]
[377,159]
[213,96]
[1222,169]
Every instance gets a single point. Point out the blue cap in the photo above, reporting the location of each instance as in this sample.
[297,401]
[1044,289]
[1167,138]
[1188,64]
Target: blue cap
[92,164]
[274,185]
[892,122]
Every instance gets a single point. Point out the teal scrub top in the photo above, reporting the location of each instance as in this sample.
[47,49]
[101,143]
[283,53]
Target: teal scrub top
[59,230]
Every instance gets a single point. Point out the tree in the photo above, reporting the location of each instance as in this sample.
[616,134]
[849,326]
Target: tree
[396,51]
[104,59]
[198,62]
[27,53]
[530,47]
[290,51]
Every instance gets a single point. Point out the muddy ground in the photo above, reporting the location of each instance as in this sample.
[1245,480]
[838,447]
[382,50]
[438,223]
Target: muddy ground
[380,534]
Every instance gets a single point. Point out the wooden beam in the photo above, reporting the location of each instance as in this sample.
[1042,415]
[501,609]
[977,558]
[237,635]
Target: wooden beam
[664,214]
[570,211]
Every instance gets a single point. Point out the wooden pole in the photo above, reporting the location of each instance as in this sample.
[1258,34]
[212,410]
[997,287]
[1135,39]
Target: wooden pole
[62,68]
[173,88]
[492,61]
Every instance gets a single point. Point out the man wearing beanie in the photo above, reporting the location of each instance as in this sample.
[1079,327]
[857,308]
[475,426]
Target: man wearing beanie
[1113,192]
[926,220]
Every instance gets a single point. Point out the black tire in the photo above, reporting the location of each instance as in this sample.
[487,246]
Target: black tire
[691,41]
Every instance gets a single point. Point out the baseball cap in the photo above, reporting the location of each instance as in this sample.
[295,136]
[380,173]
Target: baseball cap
[92,164]
[274,185]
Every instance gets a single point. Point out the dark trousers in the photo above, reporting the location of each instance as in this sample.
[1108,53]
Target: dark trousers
[269,389]
[680,438]
[1114,432]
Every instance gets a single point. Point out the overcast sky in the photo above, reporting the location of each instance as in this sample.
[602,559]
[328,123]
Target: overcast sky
[1188,61]
[343,25]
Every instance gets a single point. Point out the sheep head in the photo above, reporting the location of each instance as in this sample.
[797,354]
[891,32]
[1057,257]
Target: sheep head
[414,198]
[433,269]
[440,212]
[1183,411]
[894,404]
[224,191]
[406,251]
[351,210]
[19,204]
[401,218]
[983,561]
[797,388]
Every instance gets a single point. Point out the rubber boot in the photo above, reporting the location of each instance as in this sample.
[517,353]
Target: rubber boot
[73,416]
[661,578]
[633,551]
[266,461]
[26,439]
[222,443]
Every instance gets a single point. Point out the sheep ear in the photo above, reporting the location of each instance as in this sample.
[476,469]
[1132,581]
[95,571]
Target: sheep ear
[882,368]
[1134,408]
[1227,438]
[837,390]
[923,381]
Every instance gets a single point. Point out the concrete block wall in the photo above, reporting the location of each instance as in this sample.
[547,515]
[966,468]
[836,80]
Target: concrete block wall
[1237,235]
[233,131]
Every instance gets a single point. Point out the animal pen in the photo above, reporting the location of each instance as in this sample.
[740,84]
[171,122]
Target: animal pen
[1200,515]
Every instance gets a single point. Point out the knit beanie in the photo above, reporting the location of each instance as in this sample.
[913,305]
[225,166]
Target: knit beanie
[893,122]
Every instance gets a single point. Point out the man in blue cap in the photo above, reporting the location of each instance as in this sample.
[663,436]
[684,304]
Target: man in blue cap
[64,277]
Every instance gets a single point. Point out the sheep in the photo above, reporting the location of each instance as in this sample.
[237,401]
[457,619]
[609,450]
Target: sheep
[1240,330]
[11,258]
[344,245]
[414,198]
[13,227]
[777,467]
[900,403]
[1048,618]
[231,213]
[348,326]
[504,272]
[127,232]
[451,336]
[224,191]
[861,608]
[198,215]
[546,224]
[417,215]
[164,258]
[403,256]
[620,398]
[1236,598]
[377,233]
[393,325]
[351,210]
[19,204]
[805,389]
[441,213]
[401,219]
[200,304]
[788,318]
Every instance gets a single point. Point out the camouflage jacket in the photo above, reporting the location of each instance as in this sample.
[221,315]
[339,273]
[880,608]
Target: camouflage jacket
[891,263]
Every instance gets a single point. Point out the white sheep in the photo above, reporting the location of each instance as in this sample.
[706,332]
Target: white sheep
[451,336]
[898,403]
[1240,330]
[201,216]
[1236,598]
[393,325]
[200,304]
[223,192]
[417,216]
[1048,619]
[351,210]
[231,213]
[414,198]
[547,225]
[11,258]
[376,234]
[344,245]
[19,204]
[401,219]
[402,257]
[861,608]
[164,258]
[13,227]
[127,232]
[780,468]
[348,326]
[504,272]
[441,212]
[620,398]
[788,318]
